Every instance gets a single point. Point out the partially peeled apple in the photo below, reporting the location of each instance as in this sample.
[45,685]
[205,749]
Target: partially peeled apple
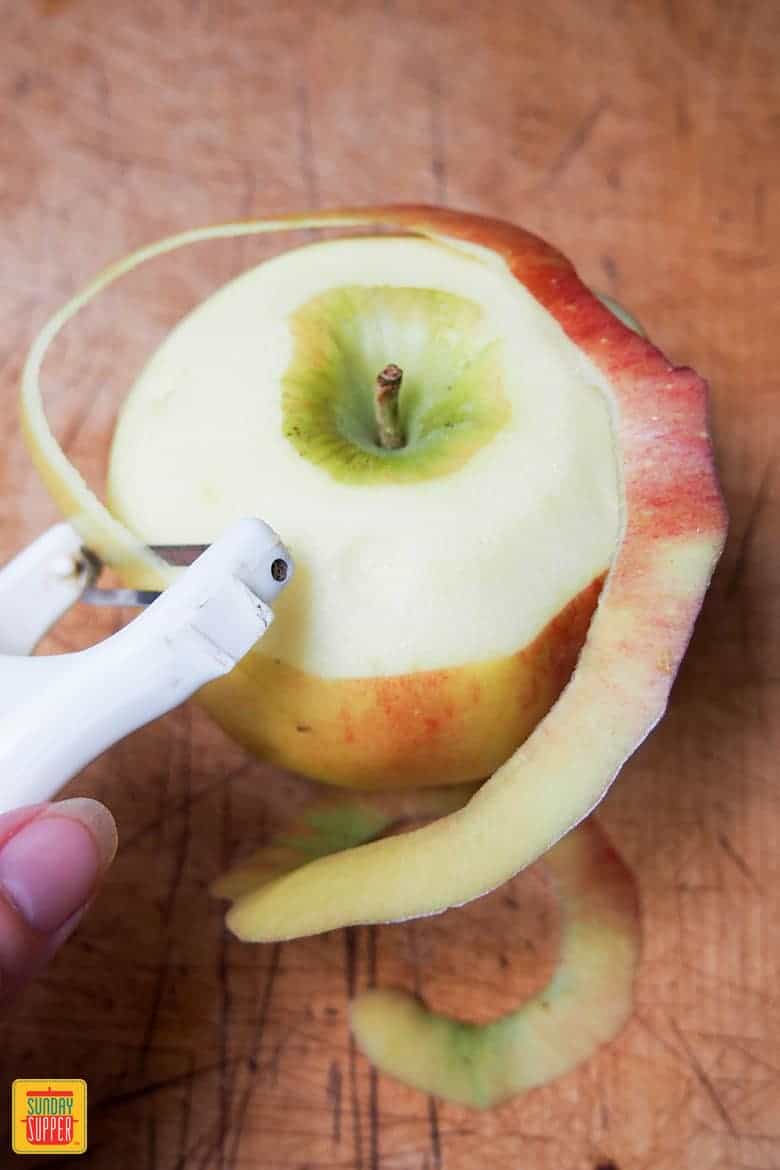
[505,589]
[446,573]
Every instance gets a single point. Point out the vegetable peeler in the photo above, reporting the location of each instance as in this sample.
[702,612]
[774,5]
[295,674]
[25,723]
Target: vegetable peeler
[58,712]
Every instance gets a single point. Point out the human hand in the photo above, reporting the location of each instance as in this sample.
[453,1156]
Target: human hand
[52,859]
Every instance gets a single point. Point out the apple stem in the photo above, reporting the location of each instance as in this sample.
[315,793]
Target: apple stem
[386,392]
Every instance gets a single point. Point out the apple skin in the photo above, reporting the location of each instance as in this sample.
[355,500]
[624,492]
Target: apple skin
[584,1004]
[673,530]
[672,533]
[436,727]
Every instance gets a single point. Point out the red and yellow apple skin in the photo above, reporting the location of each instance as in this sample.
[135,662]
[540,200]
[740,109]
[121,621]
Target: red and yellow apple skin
[672,533]
[428,728]
[673,526]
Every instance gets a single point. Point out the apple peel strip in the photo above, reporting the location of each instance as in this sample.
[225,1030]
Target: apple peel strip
[585,1003]
[673,525]
[336,821]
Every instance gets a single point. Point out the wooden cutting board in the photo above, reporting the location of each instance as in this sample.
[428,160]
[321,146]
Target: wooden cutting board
[644,139]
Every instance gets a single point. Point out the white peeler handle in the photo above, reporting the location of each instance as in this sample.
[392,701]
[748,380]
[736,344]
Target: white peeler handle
[58,713]
[39,585]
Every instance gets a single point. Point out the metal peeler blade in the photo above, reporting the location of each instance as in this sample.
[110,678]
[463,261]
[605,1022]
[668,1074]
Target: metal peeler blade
[175,554]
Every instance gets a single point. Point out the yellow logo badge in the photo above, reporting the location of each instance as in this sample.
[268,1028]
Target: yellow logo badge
[49,1117]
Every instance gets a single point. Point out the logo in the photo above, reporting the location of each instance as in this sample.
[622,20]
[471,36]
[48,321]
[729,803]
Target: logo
[49,1117]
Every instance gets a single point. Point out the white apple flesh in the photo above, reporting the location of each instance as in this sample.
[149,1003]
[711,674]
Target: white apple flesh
[393,577]
[457,566]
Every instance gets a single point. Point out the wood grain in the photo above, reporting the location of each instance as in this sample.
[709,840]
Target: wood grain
[644,140]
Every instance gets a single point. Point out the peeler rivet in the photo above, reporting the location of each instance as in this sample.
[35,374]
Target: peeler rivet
[279,570]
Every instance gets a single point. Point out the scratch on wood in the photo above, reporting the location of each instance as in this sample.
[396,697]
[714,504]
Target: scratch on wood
[739,861]
[257,1039]
[272,1066]
[182,805]
[734,589]
[306,145]
[207,1145]
[575,144]
[186,1111]
[703,1079]
[435,1132]
[438,144]
[225,1084]
[163,788]
[746,542]
[373,1076]
[645,1023]
[350,948]
[334,1098]
[736,1042]
[182,849]
[126,159]
[151,1143]
[764,997]
[128,1096]
[154,1011]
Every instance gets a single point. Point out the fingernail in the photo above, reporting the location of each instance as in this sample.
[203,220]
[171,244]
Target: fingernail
[49,868]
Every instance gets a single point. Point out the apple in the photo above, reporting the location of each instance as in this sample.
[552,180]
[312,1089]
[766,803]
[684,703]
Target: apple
[447,582]
[446,577]
[584,1005]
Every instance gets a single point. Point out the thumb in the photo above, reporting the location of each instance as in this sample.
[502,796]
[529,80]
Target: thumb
[52,858]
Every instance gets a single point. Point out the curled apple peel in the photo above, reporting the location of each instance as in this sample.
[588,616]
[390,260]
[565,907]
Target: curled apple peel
[672,528]
[585,1003]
